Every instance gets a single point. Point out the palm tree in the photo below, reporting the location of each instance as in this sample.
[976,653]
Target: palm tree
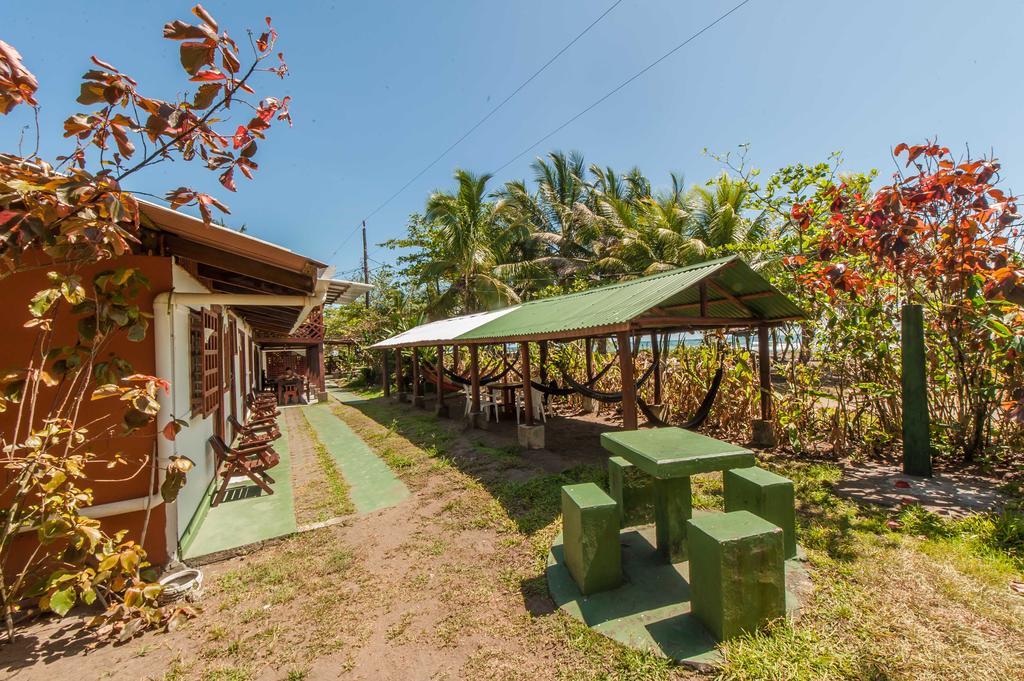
[718,222]
[467,239]
[556,217]
[649,233]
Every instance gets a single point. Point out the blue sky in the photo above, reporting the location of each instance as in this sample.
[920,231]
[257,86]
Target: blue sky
[379,89]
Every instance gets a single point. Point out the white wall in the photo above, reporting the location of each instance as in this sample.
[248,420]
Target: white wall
[192,441]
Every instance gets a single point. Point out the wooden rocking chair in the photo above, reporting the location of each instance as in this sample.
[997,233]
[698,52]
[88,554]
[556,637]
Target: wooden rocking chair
[252,461]
[256,431]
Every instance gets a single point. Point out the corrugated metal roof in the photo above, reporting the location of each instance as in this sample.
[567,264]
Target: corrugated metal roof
[342,292]
[613,308]
[442,330]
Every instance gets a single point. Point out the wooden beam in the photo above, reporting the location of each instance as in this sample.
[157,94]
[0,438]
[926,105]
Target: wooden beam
[694,306]
[683,322]
[703,289]
[628,382]
[233,282]
[524,354]
[731,298]
[231,262]
[385,379]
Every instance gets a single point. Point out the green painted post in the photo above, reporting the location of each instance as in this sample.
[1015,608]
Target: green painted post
[672,508]
[917,457]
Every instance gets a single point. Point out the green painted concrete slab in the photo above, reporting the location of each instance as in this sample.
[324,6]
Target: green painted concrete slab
[651,610]
[372,485]
[675,452]
[245,517]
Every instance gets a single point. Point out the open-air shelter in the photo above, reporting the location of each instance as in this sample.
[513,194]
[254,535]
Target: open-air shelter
[719,294]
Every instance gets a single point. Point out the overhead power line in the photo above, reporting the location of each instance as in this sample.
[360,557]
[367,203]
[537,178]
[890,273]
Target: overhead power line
[483,120]
[622,85]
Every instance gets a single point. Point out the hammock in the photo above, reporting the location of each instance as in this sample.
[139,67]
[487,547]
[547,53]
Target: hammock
[430,373]
[484,380]
[587,391]
[703,411]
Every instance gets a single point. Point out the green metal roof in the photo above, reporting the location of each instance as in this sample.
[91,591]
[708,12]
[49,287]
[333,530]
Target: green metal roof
[618,304]
[672,296]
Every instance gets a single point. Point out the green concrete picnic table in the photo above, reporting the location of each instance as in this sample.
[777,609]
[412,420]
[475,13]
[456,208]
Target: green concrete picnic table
[670,456]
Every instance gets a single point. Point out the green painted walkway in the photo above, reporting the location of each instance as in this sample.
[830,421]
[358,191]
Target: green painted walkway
[247,520]
[372,485]
[245,517]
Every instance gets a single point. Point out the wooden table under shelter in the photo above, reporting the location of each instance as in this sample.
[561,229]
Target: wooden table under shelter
[670,456]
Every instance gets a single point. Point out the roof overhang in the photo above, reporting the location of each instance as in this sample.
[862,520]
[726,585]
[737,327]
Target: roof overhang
[232,262]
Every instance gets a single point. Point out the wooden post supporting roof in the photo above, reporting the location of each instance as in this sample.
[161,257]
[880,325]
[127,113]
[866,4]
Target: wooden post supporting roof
[542,370]
[441,408]
[764,372]
[628,382]
[589,351]
[656,357]
[385,378]
[524,354]
[417,396]
[474,378]
[399,382]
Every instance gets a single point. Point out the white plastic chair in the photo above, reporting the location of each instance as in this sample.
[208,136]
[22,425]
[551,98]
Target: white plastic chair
[540,410]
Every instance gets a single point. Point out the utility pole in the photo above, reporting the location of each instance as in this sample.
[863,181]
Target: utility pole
[366,266]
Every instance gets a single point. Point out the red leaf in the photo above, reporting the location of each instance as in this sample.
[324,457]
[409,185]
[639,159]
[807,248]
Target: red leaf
[227,178]
[210,74]
[170,431]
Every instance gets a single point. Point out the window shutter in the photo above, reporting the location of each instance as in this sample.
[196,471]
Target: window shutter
[195,358]
[211,363]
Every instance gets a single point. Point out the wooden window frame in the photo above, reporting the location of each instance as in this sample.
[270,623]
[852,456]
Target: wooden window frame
[212,390]
[195,361]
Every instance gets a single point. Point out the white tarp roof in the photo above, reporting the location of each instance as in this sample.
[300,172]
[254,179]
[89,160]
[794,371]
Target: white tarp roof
[443,330]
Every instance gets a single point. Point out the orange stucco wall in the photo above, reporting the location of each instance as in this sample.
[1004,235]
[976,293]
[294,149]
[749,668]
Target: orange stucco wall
[124,481]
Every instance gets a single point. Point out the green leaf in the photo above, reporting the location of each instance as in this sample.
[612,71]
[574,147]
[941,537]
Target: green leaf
[63,600]
[43,301]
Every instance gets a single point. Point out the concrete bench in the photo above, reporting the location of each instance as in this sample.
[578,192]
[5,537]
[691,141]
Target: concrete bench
[632,491]
[767,496]
[737,572]
[590,537]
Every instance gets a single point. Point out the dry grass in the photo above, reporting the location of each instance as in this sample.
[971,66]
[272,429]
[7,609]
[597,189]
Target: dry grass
[451,585]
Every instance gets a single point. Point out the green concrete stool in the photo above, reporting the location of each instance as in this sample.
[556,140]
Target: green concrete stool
[590,537]
[632,491]
[767,496]
[737,572]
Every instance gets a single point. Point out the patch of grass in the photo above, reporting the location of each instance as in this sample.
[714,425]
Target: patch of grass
[785,652]
[338,488]
[399,628]
[507,453]
[533,504]
[226,674]
[176,670]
